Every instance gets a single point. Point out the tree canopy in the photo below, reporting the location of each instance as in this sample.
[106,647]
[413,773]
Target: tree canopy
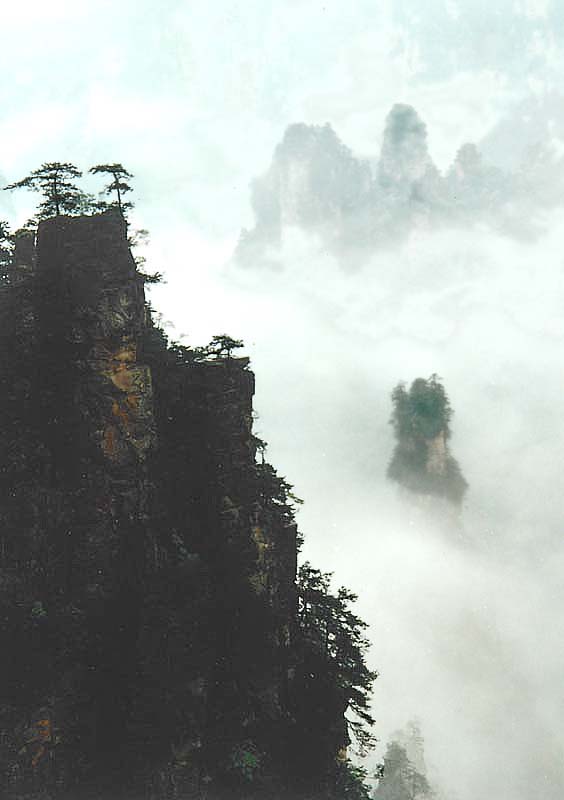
[333,635]
[222,346]
[118,185]
[422,461]
[424,410]
[56,182]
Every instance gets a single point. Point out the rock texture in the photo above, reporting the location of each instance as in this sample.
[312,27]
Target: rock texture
[422,461]
[77,426]
[147,580]
[314,183]
[355,206]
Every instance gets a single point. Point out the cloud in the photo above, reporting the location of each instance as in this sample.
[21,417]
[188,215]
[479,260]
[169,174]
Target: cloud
[357,206]
[193,99]
[464,620]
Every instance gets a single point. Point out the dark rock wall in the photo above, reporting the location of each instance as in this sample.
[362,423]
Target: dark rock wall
[147,593]
[76,428]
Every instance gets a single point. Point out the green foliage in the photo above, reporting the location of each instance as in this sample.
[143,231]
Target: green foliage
[351,782]
[275,491]
[150,277]
[424,411]
[37,610]
[420,417]
[118,185]
[245,761]
[56,182]
[222,346]
[334,651]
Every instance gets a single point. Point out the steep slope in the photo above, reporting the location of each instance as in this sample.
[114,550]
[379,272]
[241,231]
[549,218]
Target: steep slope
[147,561]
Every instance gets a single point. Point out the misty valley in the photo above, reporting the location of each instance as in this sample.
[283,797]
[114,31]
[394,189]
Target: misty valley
[168,629]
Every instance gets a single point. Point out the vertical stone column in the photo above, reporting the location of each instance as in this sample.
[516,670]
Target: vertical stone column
[97,395]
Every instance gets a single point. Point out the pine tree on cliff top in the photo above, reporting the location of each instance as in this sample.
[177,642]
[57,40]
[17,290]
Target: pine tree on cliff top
[56,182]
[422,461]
[118,185]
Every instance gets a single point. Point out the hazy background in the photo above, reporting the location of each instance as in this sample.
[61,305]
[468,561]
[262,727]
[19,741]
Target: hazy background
[467,627]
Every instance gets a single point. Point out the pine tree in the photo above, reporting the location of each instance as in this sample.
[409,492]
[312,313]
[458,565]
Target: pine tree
[333,637]
[223,345]
[118,185]
[56,182]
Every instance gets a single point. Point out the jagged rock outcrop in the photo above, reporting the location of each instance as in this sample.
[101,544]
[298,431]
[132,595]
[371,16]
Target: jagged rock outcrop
[76,430]
[314,183]
[474,189]
[405,168]
[356,205]
[422,462]
[148,591]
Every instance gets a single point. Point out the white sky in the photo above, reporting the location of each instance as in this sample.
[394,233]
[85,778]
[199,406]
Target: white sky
[193,96]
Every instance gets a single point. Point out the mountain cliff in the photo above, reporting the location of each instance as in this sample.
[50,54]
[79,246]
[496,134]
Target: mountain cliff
[422,461]
[356,205]
[160,642]
[314,183]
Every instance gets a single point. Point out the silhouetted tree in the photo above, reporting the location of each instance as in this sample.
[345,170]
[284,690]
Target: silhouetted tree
[275,490]
[222,346]
[56,182]
[118,185]
[331,630]
[351,782]
[135,239]
[331,678]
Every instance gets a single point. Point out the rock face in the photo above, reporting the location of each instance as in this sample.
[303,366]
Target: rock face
[355,206]
[313,183]
[77,426]
[405,166]
[422,462]
[147,587]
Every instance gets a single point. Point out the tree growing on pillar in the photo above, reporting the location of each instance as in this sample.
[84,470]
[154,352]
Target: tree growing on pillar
[117,187]
[422,461]
[222,346]
[56,181]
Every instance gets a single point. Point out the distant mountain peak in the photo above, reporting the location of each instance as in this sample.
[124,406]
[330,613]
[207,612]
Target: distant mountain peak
[405,155]
[317,184]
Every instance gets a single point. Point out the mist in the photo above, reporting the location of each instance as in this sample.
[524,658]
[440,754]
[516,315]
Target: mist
[465,619]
